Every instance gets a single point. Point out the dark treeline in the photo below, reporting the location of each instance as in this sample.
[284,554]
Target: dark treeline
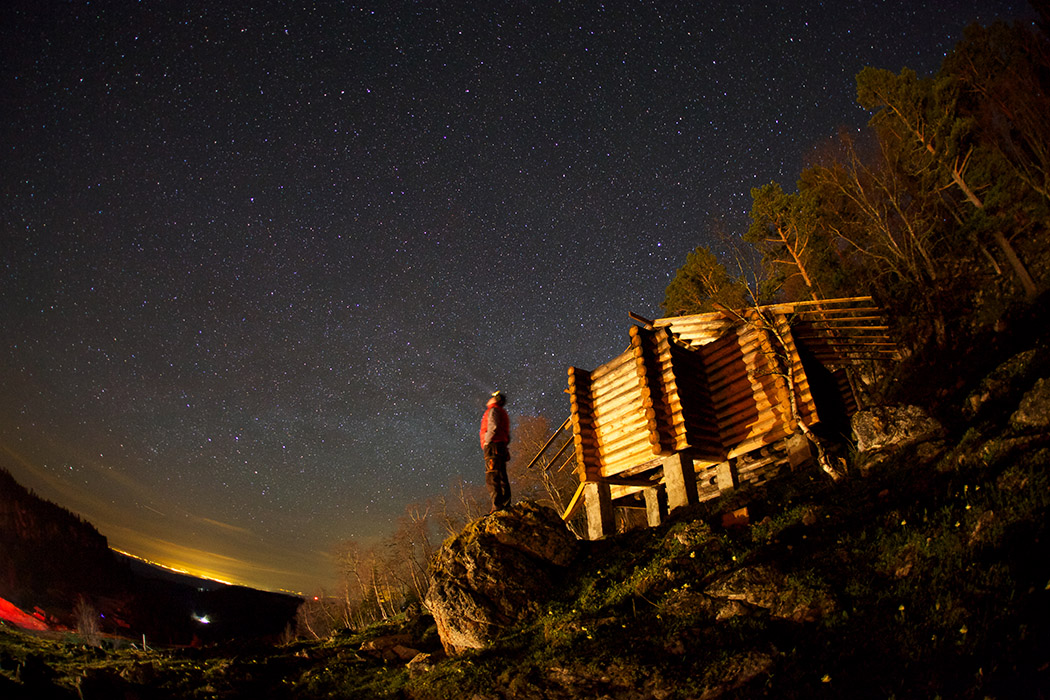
[939,209]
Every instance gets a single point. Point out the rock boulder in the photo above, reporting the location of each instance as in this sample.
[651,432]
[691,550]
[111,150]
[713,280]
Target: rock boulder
[1034,410]
[890,427]
[497,571]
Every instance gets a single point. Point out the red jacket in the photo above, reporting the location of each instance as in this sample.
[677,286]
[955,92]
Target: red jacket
[495,424]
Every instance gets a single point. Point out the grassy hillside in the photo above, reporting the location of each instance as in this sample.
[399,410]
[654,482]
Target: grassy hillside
[927,577]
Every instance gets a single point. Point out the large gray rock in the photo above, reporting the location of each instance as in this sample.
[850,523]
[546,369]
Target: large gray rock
[496,572]
[891,427]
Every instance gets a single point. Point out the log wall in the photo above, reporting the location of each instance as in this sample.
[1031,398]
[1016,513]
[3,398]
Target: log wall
[716,388]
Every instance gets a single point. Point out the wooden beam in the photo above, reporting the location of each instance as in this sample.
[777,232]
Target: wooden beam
[640,319]
[598,502]
[574,503]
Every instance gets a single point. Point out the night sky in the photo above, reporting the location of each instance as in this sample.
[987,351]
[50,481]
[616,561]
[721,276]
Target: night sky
[264,262]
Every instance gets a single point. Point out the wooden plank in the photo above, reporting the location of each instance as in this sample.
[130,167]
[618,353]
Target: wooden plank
[789,307]
[636,481]
[574,503]
[837,328]
[835,321]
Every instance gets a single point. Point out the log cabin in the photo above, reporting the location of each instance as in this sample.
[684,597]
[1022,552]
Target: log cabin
[699,405]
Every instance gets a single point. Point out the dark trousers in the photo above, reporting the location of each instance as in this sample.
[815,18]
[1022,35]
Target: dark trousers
[496,456]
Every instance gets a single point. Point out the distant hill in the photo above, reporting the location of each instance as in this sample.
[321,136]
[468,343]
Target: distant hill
[53,560]
[146,570]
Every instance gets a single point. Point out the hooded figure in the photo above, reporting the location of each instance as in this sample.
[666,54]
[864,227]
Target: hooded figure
[495,436]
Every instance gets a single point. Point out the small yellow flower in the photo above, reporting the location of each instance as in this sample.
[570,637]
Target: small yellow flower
[826,678]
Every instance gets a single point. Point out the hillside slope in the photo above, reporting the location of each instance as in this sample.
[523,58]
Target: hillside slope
[53,561]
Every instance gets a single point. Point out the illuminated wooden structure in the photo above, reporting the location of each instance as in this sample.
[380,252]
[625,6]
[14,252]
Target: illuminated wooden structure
[699,404]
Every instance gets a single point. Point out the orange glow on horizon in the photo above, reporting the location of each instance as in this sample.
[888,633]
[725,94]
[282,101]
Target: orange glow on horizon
[185,570]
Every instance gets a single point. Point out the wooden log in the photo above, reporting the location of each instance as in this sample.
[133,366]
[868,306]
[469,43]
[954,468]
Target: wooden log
[612,433]
[626,443]
[609,404]
[763,398]
[639,482]
[600,519]
[624,364]
[615,437]
[624,460]
[587,442]
[733,431]
[586,455]
[623,492]
[754,443]
[612,370]
[731,427]
[698,336]
[625,381]
[611,413]
[728,350]
[583,425]
[705,318]
[627,420]
[613,410]
[741,365]
[696,417]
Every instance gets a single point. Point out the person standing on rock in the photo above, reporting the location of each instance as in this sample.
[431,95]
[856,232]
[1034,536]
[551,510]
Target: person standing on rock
[495,436]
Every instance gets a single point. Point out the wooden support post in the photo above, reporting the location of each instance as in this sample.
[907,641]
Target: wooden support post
[655,505]
[680,481]
[725,477]
[597,499]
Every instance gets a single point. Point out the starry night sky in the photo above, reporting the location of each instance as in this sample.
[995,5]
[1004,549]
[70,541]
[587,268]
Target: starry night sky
[264,262]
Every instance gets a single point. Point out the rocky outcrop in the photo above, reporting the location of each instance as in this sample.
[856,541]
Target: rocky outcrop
[882,430]
[766,588]
[391,647]
[886,427]
[496,572]
[1034,411]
